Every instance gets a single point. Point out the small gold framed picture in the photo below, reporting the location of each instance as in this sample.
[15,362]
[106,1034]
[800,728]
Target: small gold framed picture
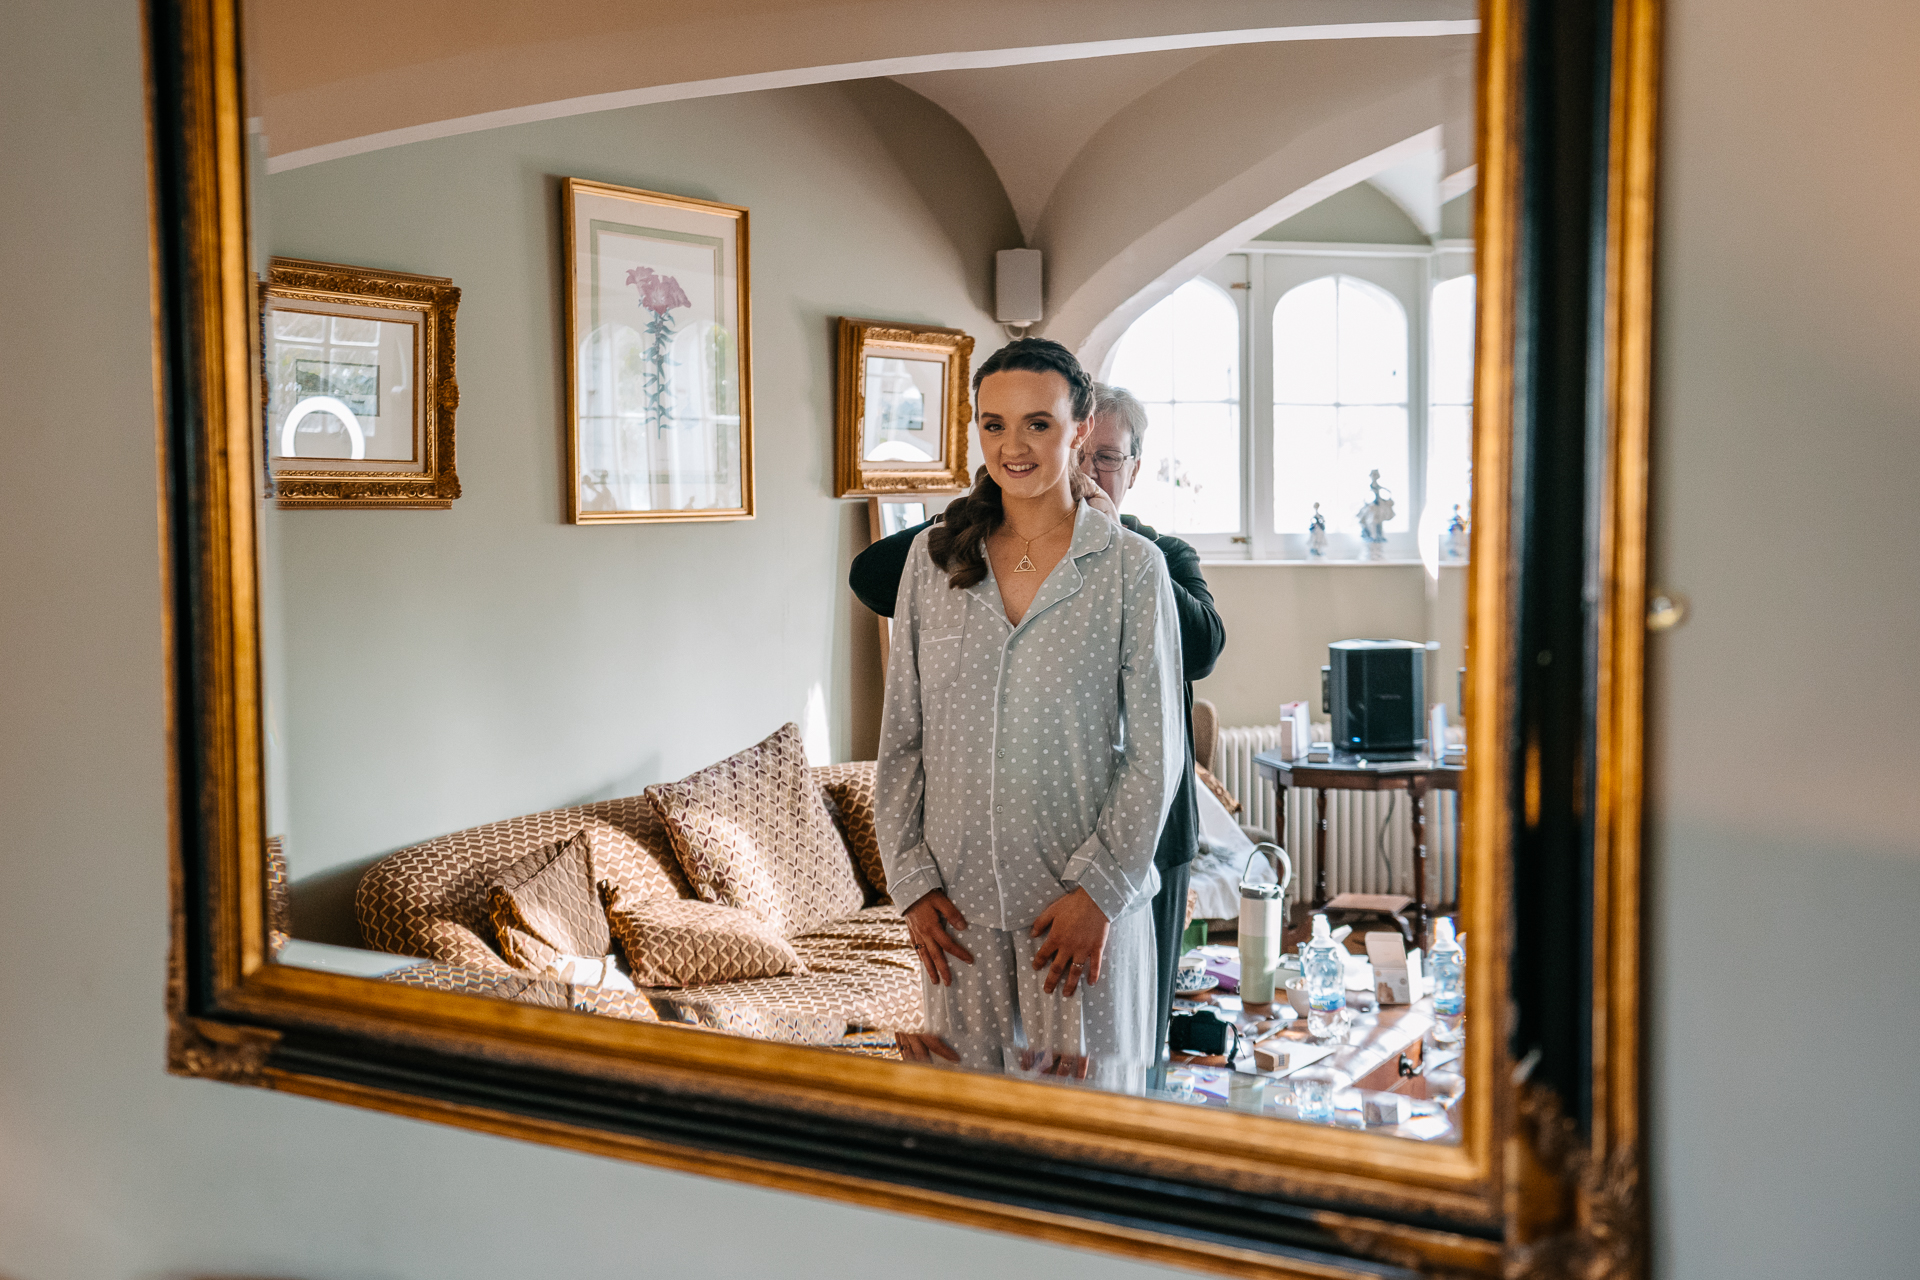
[360,391]
[903,408]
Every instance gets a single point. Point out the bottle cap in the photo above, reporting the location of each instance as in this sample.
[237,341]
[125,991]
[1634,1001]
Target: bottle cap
[1442,932]
[1320,931]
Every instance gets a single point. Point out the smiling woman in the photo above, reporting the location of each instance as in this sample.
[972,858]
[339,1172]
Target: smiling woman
[612,900]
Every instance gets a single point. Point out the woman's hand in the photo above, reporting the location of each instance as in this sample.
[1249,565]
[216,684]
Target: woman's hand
[919,1046]
[1076,941]
[929,920]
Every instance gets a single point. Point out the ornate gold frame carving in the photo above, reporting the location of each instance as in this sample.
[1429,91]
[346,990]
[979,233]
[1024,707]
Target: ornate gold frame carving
[854,477]
[429,302]
[1524,1193]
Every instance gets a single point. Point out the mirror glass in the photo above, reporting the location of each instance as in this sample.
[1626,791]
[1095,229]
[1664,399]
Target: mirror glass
[629,769]
[329,376]
[902,396]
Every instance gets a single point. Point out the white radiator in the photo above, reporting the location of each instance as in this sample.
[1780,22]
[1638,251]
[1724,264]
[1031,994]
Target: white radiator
[1361,825]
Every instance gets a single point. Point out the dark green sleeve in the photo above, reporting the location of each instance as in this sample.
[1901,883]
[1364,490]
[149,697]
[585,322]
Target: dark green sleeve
[1202,634]
[875,576]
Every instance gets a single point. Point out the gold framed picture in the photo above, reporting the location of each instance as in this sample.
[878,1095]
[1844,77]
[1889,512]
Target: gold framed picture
[360,389]
[660,372]
[903,408]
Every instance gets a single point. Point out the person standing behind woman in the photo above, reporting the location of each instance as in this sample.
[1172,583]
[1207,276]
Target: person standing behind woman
[1111,457]
[1031,743]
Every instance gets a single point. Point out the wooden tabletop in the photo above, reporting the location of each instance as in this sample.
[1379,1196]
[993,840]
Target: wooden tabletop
[1358,773]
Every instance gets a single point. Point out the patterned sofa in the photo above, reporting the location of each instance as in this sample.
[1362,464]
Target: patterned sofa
[431,900]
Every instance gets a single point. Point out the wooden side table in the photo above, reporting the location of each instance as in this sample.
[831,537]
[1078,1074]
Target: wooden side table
[1350,773]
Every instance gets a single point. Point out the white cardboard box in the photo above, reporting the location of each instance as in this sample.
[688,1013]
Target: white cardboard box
[1397,978]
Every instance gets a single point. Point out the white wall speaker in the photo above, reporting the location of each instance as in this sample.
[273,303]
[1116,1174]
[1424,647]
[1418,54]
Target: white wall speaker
[1016,286]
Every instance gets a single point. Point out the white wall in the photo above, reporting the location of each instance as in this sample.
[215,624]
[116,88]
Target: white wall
[446,668]
[1786,821]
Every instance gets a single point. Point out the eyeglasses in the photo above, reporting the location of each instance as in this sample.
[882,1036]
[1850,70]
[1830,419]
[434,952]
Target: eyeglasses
[1106,462]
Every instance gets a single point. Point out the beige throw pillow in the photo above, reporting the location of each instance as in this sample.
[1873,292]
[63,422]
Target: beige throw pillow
[545,906]
[677,942]
[752,832]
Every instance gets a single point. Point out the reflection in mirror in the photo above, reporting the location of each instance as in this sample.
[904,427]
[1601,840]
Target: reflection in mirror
[656,771]
[901,397]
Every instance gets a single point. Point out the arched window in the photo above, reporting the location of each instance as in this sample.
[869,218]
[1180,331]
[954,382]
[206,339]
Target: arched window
[1182,359]
[1339,403]
[1449,409]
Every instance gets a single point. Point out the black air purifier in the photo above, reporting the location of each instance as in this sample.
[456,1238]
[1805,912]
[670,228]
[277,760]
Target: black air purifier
[1375,690]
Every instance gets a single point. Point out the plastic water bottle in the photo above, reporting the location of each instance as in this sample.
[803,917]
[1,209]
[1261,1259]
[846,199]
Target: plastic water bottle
[1325,966]
[1448,964]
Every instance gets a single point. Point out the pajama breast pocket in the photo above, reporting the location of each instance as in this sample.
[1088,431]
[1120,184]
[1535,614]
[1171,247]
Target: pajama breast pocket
[939,655]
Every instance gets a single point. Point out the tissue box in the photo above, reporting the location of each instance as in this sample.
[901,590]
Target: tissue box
[1397,978]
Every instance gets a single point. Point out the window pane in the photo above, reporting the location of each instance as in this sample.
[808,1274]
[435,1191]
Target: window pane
[1373,345]
[1206,344]
[1449,467]
[1182,359]
[1340,404]
[1305,361]
[1323,454]
[1450,378]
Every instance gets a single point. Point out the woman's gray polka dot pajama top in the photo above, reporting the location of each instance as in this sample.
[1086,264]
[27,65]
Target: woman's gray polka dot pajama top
[1019,762]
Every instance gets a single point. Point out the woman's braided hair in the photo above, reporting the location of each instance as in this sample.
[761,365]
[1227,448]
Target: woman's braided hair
[958,544]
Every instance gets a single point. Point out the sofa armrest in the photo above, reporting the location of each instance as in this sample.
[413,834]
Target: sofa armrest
[456,944]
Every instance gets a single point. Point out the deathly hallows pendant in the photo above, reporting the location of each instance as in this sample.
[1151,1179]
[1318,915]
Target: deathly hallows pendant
[1025,565]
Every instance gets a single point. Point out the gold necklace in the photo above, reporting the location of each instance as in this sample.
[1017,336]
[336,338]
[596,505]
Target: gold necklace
[1026,564]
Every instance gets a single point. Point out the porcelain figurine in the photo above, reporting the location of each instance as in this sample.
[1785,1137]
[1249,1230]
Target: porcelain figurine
[1317,534]
[1453,545]
[1373,518]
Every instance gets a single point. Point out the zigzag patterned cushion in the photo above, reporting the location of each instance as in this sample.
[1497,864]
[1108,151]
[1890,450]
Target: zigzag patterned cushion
[752,832]
[675,942]
[849,790]
[545,906]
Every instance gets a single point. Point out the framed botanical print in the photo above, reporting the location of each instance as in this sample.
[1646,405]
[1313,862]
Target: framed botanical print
[360,390]
[903,408]
[659,376]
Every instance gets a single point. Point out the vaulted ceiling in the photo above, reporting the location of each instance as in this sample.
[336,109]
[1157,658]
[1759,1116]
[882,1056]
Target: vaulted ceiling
[1136,140]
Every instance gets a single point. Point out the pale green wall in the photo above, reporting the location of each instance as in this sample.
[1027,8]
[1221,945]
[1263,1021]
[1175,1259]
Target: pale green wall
[1361,214]
[445,668]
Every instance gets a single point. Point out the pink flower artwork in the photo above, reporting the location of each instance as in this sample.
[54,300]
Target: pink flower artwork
[658,294]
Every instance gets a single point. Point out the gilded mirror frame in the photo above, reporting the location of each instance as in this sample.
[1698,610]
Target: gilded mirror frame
[854,475]
[429,305]
[1545,1181]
